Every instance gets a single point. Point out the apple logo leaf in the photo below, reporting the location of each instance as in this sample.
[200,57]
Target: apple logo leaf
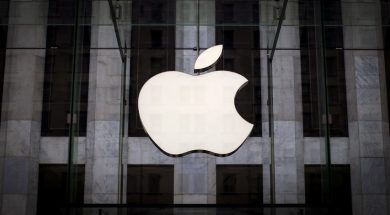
[208,58]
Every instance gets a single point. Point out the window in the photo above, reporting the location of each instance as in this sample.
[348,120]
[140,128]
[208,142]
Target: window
[58,70]
[150,184]
[156,38]
[335,70]
[315,191]
[238,30]
[228,12]
[228,39]
[153,49]
[3,43]
[52,187]
[239,184]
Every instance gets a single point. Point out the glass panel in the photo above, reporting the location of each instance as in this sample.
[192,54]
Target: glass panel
[70,74]
[317,94]
[239,184]
[4,7]
[385,7]
[52,188]
[152,50]
[340,188]
[241,53]
[58,70]
[148,184]
[335,70]
[316,86]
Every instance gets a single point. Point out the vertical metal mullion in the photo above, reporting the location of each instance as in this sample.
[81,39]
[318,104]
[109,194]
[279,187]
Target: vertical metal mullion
[116,29]
[271,129]
[74,92]
[270,57]
[197,28]
[325,103]
[121,128]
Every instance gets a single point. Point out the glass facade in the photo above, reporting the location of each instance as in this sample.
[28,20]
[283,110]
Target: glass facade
[239,184]
[153,49]
[148,184]
[58,69]
[318,95]
[237,28]
[335,69]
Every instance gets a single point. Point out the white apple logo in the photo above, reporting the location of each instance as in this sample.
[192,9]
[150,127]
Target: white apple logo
[185,113]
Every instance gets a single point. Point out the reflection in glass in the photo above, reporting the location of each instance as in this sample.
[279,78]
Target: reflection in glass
[52,187]
[385,8]
[335,70]
[239,184]
[153,49]
[58,71]
[315,193]
[3,43]
[148,184]
[241,54]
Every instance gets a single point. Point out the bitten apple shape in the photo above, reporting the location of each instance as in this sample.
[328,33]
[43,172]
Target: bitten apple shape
[183,113]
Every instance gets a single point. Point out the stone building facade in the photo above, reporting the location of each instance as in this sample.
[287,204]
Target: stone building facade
[364,148]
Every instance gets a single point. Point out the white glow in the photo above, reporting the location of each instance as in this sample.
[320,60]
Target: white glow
[182,113]
[208,57]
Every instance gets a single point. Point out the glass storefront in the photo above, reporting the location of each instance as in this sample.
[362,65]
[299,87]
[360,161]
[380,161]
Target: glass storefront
[318,91]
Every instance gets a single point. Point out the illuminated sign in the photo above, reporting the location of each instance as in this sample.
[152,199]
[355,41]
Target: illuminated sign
[184,113]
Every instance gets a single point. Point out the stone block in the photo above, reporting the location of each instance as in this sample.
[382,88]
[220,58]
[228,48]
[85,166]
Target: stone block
[250,152]
[16,175]
[36,38]
[207,11]
[106,105]
[369,127]
[292,14]
[367,79]
[284,104]
[366,64]
[368,97]
[211,180]
[15,204]
[312,152]
[356,176]
[354,146]
[106,139]
[194,178]
[374,204]
[54,150]
[371,144]
[19,141]
[143,151]
[194,199]
[339,150]
[186,12]
[106,198]
[284,138]
[207,35]
[357,203]
[289,37]
[186,36]
[373,176]
[103,10]
[104,37]
[105,176]
[185,61]
[360,13]
[369,112]
[361,37]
